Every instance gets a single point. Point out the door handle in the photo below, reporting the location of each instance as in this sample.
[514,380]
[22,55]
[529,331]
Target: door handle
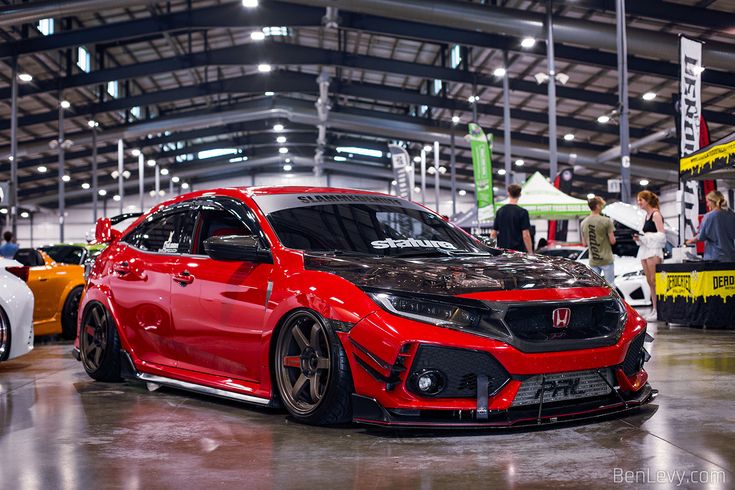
[184,278]
[121,268]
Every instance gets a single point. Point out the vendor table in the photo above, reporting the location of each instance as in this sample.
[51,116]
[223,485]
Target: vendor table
[696,293]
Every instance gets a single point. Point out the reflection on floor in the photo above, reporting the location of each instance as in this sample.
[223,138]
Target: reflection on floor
[59,429]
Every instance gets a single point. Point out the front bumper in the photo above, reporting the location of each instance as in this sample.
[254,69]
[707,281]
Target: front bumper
[368,411]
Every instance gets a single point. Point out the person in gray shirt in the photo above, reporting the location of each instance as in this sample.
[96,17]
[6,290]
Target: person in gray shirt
[717,230]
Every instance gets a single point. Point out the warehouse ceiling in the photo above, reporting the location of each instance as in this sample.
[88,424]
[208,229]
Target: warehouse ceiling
[175,79]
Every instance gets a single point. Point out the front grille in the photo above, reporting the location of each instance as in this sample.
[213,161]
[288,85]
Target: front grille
[633,361]
[589,320]
[460,367]
[563,387]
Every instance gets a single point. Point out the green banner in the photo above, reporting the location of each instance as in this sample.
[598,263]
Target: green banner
[483,169]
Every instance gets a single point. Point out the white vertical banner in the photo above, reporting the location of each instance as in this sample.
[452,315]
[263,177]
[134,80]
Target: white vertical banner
[402,171]
[690,83]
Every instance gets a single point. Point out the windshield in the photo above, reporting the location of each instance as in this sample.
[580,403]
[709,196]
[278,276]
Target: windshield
[365,224]
[65,254]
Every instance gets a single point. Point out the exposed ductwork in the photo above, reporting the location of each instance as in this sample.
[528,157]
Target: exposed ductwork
[614,152]
[31,12]
[521,23]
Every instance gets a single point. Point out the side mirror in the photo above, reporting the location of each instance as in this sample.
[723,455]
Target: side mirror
[237,247]
[103,232]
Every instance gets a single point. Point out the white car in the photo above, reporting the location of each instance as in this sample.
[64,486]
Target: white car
[629,279]
[16,311]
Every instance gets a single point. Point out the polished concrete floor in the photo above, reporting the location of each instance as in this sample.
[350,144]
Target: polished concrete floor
[59,429]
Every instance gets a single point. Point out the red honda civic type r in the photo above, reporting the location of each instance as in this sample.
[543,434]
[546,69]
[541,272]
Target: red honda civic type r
[344,305]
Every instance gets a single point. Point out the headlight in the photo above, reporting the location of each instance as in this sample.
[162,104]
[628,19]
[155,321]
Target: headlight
[439,313]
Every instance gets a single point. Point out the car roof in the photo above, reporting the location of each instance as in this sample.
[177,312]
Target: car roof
[294,189]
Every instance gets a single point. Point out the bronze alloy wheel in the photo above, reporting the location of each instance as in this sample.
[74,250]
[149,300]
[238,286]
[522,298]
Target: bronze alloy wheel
[304,369]
[93,339]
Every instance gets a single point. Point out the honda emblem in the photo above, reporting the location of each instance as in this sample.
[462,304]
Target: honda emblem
[561,317]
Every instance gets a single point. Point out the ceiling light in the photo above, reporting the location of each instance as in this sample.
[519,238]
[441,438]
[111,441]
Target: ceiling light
[25,77]
[257,35]
[185,185]
[502,171]
[4,210]
[455,119]
[417,190]
[102,192]
[499,72]
[568,137]
[151,163]
[462,192]
[278,128]
[541,77]
[24,214]
[427,149]
[431,170]
[126,174]
[92,123]
[264,68]
[65,104]
[85,186]
[495,189]
[288,160]
[528,42]
[135,152]
[116,197]
[520,162]
[562,78]
[288,167]
[590,195]
[216,152]
[161,193]
[603,119]
[649,96]
[270,94]
[393,182]
[115,174]
[339,158]
[42,169]
[281,139]
[416,159]
[442,170]
[250,3]
[175,179]
[152,193]
[164,171]
[282,150]
[473,98]
[644,182]
[66,178]
[360,151]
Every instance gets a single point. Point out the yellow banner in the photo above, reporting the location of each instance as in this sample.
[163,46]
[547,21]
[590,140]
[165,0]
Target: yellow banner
[696,163]
[696,284]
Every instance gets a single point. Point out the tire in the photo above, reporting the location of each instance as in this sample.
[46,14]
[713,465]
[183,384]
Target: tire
[311,371]
[99,344]
[5,336]
[69,314]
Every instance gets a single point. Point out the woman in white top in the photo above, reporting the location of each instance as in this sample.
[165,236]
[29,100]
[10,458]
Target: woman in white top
[652,242]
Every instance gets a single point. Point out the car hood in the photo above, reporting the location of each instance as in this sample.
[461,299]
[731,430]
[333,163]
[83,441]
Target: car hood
[456,275]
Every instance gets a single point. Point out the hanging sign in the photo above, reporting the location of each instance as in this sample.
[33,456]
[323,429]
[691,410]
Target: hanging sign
[483,170]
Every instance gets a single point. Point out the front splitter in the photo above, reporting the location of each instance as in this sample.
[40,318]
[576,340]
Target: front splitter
[368,411]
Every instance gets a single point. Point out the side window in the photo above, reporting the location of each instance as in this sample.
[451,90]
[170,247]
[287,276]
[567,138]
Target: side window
[218,222]
[161,234]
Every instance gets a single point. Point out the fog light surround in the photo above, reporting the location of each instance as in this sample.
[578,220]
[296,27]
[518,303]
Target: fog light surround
[429,382]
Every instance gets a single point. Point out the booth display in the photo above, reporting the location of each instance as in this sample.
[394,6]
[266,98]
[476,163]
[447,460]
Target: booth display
[700,293]
[544,201]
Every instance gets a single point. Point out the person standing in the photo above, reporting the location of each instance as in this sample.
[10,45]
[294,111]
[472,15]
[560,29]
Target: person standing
[598,234]
[8,248]
[717,230]
[652,242]
[512,225]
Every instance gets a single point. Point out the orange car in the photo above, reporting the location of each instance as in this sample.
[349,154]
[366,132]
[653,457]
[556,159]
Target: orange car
[57,289]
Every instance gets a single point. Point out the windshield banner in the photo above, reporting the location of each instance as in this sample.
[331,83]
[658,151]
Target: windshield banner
[483,169]
[402,171]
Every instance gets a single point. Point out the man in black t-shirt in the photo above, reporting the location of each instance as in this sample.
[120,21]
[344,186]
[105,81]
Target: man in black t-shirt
[512,226]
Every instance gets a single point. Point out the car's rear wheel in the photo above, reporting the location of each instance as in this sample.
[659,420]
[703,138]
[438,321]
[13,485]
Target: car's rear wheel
[99,344]
[70,313]
[311,371]
[5,336]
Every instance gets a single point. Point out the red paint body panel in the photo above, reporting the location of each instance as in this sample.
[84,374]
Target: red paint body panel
[218,329]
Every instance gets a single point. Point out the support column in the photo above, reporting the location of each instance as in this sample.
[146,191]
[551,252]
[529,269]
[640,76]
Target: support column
[552,90]
[436,175]
[94,174]
[506,122]
[62,199]
[453,172]
[158,183]
[141,190]
[622,45]
[120,169]
[13,201]
[423,176]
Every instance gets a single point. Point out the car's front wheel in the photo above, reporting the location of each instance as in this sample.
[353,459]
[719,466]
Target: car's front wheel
[99,344]
[4,336]
[70,313]
[311,371]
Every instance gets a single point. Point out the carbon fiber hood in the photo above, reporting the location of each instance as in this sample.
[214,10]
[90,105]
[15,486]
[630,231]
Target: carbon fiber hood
[456,275]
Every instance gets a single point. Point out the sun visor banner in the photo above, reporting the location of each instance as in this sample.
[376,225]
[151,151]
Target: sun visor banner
[402,171]
[277,202]
[483,169]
